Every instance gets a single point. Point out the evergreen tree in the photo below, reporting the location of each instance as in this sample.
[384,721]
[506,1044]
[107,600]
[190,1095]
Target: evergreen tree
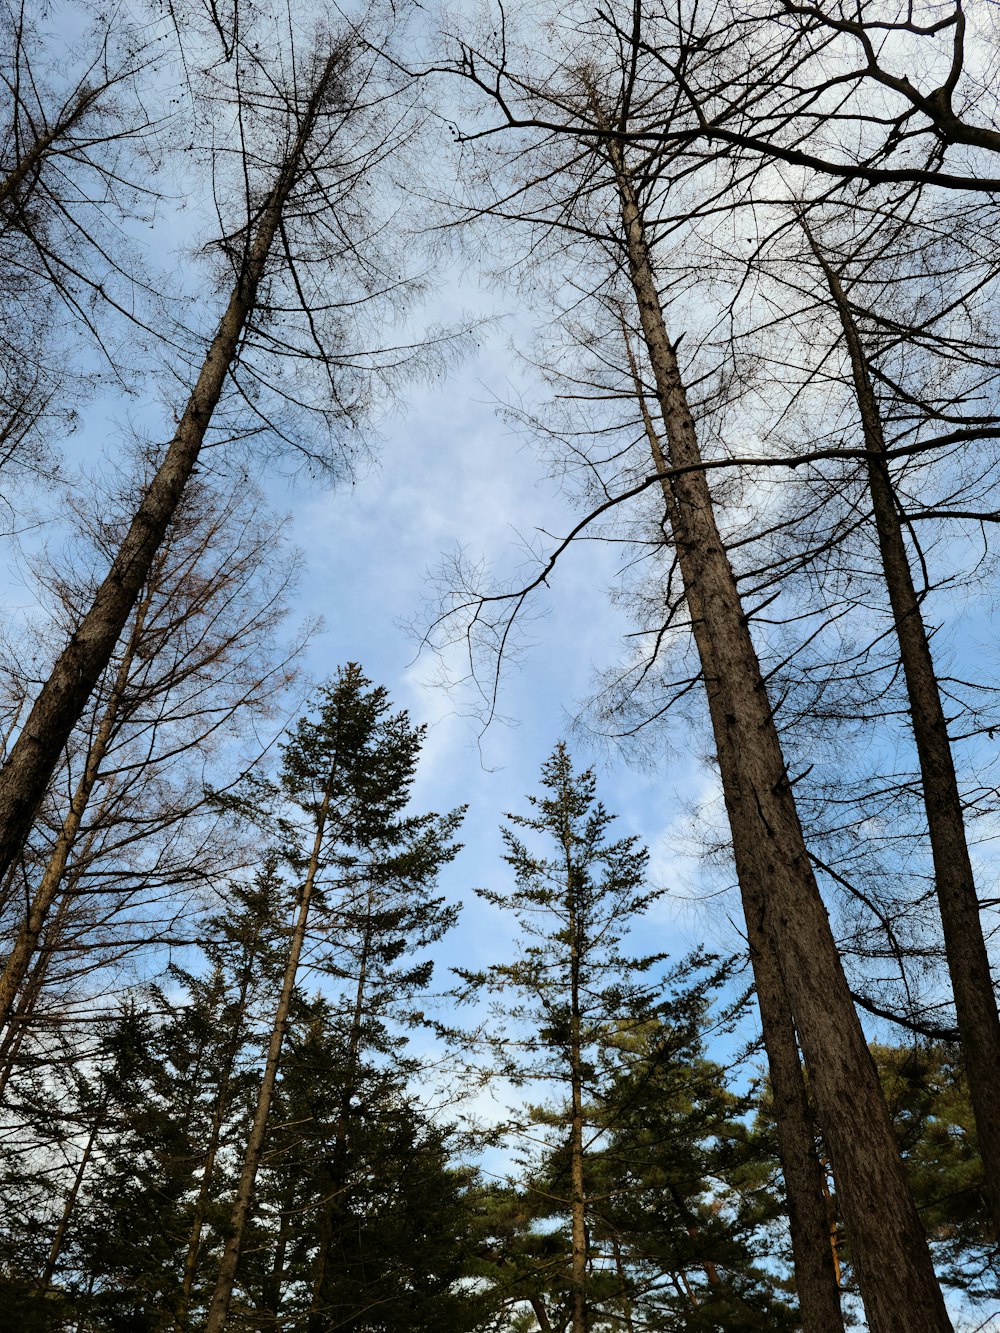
[395,1249]
[570,1013]
[366,872]
[181,1075]
[692,1197]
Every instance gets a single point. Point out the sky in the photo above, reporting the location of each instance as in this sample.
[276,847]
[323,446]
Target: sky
[451,473]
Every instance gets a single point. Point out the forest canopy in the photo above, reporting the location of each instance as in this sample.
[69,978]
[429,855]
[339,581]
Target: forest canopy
[498,779]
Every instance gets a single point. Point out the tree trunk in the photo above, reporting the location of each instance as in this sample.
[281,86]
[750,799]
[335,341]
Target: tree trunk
[895,1273]
[60,703]
[579,1199]
[22,1011]
[12,188]
[212,1149]
[218,1311]
[277,1276]
[54,874]
[965,946]
[321,1300]
[815,1279]
[57,1241]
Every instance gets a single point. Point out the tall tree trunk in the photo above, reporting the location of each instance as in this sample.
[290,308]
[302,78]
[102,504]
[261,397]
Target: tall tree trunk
[219,1111]
[57,1241]
[965,945]
[337,1183]
[894,1268]
[19,1019]
[578,1203]
[19,182]
[277,1276]
[60,703]
[218,1311]
[815,1279]
[53,877]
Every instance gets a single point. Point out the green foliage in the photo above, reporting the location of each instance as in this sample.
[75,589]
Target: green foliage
[390,1237]
[928,1098]
[674,1215]
[179,1085]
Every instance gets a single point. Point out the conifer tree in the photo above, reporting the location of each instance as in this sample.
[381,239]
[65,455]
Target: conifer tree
[563,1014]
[179,1085]
[390,1238]
[340,814]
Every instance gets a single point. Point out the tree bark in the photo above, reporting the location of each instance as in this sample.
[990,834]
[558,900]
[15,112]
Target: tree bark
[815,1279]
[60,703]
[218,1311]
[53,876]
[965,945]
[895,1273]
[212,1149]
[577,1184]
[321,1300]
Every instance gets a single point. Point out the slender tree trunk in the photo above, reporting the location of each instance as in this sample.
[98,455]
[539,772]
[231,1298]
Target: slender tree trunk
[60,703]
[21,1013]
[578,1214]
[212,1150]
[218,1311]
[53,877]
[688,1289]
[322,1294]
[277,1277]
[815,1280]
[18,183]
[965,945]
[897,1278]
[831,1212]
[57,1241]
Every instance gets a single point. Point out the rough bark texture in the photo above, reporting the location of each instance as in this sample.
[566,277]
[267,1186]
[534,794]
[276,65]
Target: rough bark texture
[218,1311]
[965,945]
[60,703]
[893,1263]
[816,1280]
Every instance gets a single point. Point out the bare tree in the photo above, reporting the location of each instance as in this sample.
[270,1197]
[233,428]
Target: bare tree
[122,840]
[582,114]
[79,142]
[307,203]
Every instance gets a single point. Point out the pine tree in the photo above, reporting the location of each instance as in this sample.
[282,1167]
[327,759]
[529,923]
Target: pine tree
[365,871]
[180,1082]
[571,1012]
